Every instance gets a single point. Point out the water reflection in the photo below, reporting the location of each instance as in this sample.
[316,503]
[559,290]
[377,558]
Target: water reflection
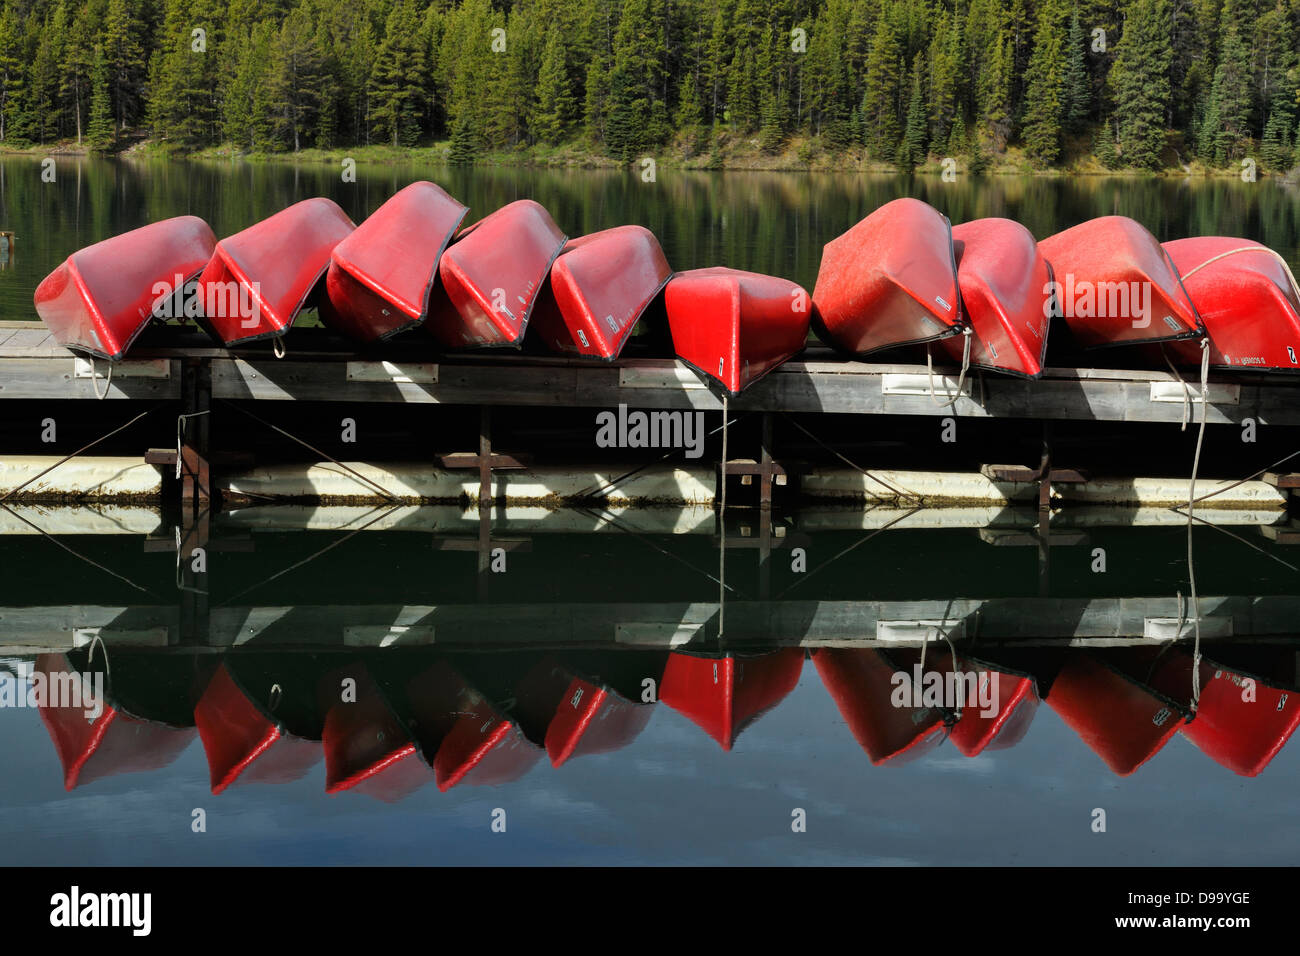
[774,223]
[369,654]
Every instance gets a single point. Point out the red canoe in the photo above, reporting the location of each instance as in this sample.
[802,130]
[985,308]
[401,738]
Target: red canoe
[381,276]
[259,279]
[464,736]
[1114,285]
[1237,729]
[1013,700]
[103,296]
[367,745]
[593,719]
[1122,721]
[244,740]
[734,327]
[599,287]
[1246,301]
[862,682]
[724,695]
[491,276]
[890,280]
[111,742]
[1005,292]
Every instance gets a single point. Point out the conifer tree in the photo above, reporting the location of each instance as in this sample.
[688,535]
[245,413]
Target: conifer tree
[556,104]
[1044,89]
[1075,92]
[912,148]
[880,101]
[1139,83]
[99,126]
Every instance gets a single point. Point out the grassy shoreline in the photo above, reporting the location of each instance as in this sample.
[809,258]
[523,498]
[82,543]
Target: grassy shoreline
[726,152]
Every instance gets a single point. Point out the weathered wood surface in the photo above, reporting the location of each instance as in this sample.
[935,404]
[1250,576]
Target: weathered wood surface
[32,367]
[1090,622]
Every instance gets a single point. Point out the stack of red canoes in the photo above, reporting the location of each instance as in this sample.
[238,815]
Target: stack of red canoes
[981,294]
[388,731]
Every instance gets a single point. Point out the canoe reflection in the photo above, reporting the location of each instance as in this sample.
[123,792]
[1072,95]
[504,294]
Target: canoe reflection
[389,722]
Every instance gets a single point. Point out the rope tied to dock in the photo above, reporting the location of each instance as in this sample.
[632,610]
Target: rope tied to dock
[277,346]
[180,435]
[66,458]
[967,334]
[108,379]
[722,527]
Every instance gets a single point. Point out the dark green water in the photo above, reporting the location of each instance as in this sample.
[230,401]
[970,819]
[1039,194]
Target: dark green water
[282,607]
[774,223]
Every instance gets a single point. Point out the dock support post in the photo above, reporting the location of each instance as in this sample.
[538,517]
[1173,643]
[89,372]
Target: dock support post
[484,498]
[1045,513]
[195,431]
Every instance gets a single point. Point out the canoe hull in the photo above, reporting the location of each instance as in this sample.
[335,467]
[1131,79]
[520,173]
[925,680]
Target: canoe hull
[889,281]
[1246,303]
[734,327]
[381,276]
[102,297]
[491,277]
[259,279]
[862,682]
[1115,285]
[1006,296]
[1241,722]
[599,287]
[1123,722]
[724,695]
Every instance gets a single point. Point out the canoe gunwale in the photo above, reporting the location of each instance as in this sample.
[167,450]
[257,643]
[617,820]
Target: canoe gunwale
[368,283]
[517,342]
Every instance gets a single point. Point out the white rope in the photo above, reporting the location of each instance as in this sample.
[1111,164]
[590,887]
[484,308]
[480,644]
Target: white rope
[1191,504]
[277,345]
[722,523]
[1232,252]
[965,367]
[103,652]
[180,435]
[108,380]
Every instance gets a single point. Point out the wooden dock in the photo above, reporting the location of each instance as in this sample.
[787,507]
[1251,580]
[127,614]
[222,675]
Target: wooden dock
[318,369]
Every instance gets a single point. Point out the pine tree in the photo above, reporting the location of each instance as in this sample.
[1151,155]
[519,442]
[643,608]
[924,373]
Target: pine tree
[1230,96]
[99,126]
[1139,83]
[1045,86]
[1075,92]
[556,104]
[912,149]
[945,70]
[880,102]
[11,71]
[294,83]
[396,89]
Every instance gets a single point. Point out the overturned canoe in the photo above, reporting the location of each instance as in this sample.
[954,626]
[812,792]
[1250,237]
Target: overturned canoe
[879,710]
[380,277]
[724,694]
[256,729]
[890,280]
[599,286]
[601,709]
[100,298]
[1246,300]
[734,327]
[99,734]
[491,276]
[465,738]
[1241,722]
[1123,721]
[1006,294]
[1115,285]
[259,279]
[368,747]
[999,715]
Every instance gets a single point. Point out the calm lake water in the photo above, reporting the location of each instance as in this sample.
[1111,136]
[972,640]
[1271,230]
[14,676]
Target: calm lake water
[774,223]
[296,600]
[650,782]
